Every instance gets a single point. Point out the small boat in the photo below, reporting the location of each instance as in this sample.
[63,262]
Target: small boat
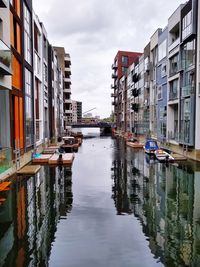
[163,156]
[150,146]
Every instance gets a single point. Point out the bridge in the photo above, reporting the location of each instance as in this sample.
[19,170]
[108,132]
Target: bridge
[105,128]
[92,125]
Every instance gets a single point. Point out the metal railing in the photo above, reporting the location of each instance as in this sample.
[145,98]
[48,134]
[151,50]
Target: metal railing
[5,58]
[5,159]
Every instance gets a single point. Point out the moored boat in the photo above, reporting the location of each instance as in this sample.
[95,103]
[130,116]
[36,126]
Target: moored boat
[150,146]
[163,156]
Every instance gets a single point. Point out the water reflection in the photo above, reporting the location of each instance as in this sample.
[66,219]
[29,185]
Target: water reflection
[165,199]
[29,216]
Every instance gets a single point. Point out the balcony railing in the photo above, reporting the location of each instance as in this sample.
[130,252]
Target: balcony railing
[114,66]
[38,130]
[5,59]
[187,90]
[114,76]
[5,159]
[113,86]
[135,78]
[173,95]
[135,107]
[135,92]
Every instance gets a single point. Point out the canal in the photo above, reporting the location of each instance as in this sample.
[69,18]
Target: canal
[117,208]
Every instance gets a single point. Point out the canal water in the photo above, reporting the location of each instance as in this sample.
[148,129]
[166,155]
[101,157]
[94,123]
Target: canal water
[118,208]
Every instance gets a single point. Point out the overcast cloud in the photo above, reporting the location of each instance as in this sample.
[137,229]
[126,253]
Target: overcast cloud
[92,31]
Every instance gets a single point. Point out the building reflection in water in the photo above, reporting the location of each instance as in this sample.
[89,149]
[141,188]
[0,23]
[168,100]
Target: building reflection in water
[166,201]
[30,214]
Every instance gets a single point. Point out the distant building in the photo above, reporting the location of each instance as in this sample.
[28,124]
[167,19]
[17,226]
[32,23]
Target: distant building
[122,61]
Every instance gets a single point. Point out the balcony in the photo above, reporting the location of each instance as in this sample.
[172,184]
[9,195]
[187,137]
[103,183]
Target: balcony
[113,86]
[67,58]
[135,78]
[187,90]
[67,101]
[68,111]
[5,59]
[113,95]
[173,95]
[67,80]
[147,67]
[68,70]
[3,3]
[67,91]
[135,92]
[174,44]
[114,76]
[114,66]
[147,84]
[135,107]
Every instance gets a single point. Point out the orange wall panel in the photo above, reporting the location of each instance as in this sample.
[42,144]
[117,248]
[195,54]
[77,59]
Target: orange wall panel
[18,39]
[11,30]
[17,75]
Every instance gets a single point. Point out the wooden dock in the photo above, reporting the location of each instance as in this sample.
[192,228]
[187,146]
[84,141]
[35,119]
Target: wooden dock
[42,158]
[55,159]
[178,157]
[29,169]
[65,159]
[134,144]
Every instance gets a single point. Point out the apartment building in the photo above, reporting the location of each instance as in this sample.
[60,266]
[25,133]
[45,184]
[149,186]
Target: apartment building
[122,61]
[74,112]
[158,95]
[188,72]
[174,56]
[5,85]
[161,83]
[79,111]
[197,120]
[147,78]
[64,61]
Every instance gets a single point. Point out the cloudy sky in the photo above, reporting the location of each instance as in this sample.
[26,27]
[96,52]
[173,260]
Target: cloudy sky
[92,31]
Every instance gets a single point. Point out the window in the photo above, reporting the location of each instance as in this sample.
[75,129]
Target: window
[125,60]
[188,55]
[173,65]
[173,90]
[16,35]
[187,25]
[163,70]
[162,50]
[159,92]
[124,69]
[29,112]
[27,35]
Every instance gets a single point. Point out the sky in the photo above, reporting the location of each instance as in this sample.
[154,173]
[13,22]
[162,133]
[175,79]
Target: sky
[92,31]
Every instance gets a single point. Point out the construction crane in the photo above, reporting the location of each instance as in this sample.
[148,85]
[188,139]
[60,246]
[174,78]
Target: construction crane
[88,110]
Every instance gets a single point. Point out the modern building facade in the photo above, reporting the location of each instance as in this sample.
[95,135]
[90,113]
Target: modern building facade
[33,84]
[5,85]
[122,61]
[158,95]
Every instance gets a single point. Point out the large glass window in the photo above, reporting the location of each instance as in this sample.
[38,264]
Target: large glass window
[27,34]
[29,113]
[173,90]
[173,65]
[187,25]
[188,54]
[162,50]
